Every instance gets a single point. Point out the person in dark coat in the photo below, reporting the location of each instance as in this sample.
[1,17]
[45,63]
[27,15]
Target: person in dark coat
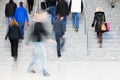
[14,34]
[99,17]
[10,10]
[52,8]
[30,5]
[62,9]
[59,33]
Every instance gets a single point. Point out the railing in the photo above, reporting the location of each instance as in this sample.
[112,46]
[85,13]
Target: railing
[85,27]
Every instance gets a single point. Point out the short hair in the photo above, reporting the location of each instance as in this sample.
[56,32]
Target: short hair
[21,3]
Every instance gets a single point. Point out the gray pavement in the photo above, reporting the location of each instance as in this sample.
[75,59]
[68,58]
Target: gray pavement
[78,46]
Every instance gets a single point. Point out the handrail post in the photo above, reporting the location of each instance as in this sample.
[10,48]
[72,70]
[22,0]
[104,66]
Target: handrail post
[85,28]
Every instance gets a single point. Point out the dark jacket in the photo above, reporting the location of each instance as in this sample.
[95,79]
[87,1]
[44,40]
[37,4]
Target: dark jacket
[52,2]
[59,27]
[10,9]
[14,33]
[30,1]
[62,8]
[98,18]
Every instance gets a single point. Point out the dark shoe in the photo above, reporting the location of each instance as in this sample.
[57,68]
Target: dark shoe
[112,6]
[46,74]
[32,71]
[100,46]
[15,59]
[76,30]
[59,56]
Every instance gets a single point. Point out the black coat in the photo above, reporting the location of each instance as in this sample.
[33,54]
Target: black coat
[62,8]
[99,17]
[52,2]
[14,33]
[10,9]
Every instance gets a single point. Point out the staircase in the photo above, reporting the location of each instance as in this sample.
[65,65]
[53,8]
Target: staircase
[81,45]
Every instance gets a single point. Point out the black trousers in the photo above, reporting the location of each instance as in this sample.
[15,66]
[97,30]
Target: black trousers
[14,48]
[30,5]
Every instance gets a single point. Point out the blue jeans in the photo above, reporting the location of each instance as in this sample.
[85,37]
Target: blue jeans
[60,43]
[21,24]
[39,56]
[76,19]
[65,21]
[9,19]
[53,14]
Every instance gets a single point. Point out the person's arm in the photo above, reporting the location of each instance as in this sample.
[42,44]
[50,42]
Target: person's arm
[62,28]
[70,6]
[104,18]
[94,20]
[82,6]
[7,33]
[26,16]
[6,11]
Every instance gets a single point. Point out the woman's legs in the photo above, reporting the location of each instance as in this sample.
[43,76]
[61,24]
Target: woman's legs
[12,48]
[99,35]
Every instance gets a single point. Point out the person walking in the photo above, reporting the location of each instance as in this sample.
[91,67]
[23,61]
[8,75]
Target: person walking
[30,5]
[63,11]
[59,33]
[21,17]
[39,50]
[52,7]
[75,8]
[10,9]
[99,18]
[14,35]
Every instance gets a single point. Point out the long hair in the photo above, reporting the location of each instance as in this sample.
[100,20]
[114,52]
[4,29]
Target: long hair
[38,32]
[13,22]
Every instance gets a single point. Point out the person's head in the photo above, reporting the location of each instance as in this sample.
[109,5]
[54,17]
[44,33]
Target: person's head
[13,22]
[10,1]
[21,3]
[99,9]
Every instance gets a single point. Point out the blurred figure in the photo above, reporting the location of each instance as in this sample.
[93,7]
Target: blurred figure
[75,8]
[30,5]
[21,16]
[99,17]
[14,35]
[63,11]
[39,50]
[59,33]
[10,10]
[112,2]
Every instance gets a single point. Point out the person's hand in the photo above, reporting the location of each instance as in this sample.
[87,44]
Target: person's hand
[63,37]
[93,28]
[27,23]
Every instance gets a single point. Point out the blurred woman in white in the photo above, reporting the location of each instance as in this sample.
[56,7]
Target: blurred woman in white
[39,51]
